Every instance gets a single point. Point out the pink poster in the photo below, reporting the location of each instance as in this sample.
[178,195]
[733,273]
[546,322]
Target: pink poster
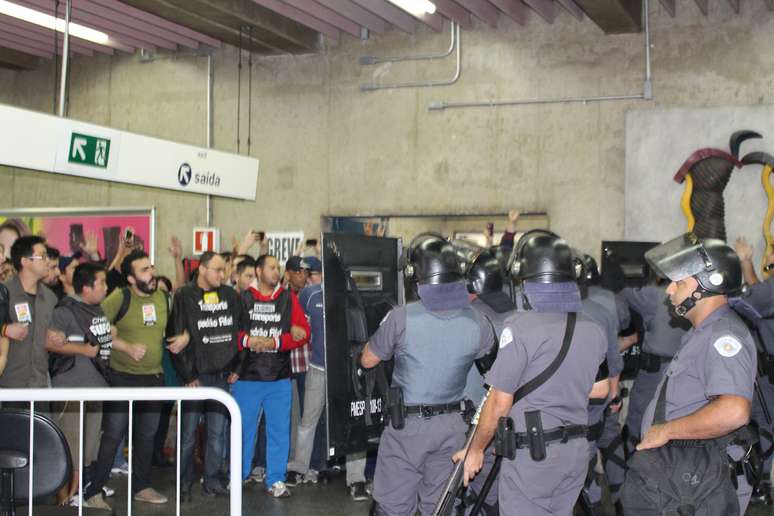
[72,232]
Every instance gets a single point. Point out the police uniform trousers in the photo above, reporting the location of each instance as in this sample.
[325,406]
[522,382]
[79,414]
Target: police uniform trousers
[765,429]
[413,464]
[478,481]
[613,459]
[548,487]
[642,392]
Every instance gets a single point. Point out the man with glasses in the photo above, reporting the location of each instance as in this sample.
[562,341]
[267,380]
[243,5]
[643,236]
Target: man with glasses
[30,307]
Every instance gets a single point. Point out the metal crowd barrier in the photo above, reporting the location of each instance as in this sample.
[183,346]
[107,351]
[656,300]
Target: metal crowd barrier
[132,394]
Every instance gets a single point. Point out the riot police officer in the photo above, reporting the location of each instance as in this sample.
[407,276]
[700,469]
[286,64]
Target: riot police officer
[549,340]
[434,342]
[599,305]
[486,284]
[661,340]
[761,300]
[707,390]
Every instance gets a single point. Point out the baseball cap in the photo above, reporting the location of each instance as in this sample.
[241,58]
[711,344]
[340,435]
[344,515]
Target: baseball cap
[295,264]
[313,263]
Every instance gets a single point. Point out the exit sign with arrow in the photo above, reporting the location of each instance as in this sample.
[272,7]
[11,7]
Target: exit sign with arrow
[89,150]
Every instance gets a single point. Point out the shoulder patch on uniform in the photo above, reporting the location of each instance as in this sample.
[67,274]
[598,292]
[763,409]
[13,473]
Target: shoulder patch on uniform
[728,346]
[506,337]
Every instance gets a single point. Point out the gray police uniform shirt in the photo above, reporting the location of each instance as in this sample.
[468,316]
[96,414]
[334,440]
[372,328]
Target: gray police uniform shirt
[389,340]
[717,358]
[608,320]
[762,299]
[663,333]
[528,344]
[474,388]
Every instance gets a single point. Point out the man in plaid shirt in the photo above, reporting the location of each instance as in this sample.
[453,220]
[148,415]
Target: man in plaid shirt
[296,277]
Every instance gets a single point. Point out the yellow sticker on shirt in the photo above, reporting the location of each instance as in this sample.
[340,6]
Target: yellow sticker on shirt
[23,312]
[211,298]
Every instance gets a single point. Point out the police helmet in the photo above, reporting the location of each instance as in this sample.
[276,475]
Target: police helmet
[712,262]
[586,270]
[481,268]
[431,259]
[543,257]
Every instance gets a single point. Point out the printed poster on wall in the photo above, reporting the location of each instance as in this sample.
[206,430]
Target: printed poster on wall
[72,230]
[283,245]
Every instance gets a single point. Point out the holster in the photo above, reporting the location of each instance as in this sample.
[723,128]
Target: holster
[767,363]
[650,363]
[469,412]
[397,408]
[535,438]
[505,439]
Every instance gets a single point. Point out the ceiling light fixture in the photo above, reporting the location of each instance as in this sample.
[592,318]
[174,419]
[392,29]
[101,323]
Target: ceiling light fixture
[46,20]
[415,7]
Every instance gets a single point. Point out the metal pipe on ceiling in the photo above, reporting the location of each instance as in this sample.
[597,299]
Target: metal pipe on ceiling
[426,84]
[65,58]
[647,88]
[372,60]
[210,79]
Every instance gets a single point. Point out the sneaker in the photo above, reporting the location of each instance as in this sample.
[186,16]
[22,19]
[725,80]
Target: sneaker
[97,502]
[293,479]
[312,476]
[278,490]
[122,469]
[358,492]
[761,495]
[215,490]
[258,475]
[108,492]
[150,495]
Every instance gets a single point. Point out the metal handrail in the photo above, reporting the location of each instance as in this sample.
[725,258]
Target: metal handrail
[132,394]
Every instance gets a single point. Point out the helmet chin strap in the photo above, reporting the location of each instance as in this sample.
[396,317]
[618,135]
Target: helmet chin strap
[683,308]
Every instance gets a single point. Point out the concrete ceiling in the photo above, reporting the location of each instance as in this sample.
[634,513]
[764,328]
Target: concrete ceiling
[283,26]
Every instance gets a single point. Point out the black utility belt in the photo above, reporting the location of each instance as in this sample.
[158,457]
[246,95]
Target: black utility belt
[561,434]
[428,411]
[594,432]
[652,363]
[507,440]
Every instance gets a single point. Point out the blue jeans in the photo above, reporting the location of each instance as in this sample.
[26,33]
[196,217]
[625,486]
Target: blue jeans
[274,398]
[215,414]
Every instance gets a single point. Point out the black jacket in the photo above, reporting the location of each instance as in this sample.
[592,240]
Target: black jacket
[215,320]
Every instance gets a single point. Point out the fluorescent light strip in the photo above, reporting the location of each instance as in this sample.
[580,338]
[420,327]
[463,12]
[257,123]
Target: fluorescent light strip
[415,7]
[45,20]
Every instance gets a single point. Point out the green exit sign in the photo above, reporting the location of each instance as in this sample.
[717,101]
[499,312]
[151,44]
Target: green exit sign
[89,150]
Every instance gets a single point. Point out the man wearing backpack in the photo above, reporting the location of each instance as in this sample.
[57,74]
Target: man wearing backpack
[139,315]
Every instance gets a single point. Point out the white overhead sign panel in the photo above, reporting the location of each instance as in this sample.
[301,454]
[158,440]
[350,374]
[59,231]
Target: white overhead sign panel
[37,141]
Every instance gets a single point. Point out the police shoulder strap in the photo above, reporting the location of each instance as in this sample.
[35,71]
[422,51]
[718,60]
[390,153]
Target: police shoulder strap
[549,371]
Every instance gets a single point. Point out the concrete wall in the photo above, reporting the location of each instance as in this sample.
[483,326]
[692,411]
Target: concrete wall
[328,149]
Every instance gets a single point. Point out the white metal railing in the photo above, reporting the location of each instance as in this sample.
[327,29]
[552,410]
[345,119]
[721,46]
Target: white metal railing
[132,394]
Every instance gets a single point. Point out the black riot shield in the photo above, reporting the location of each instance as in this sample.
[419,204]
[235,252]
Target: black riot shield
[361,284]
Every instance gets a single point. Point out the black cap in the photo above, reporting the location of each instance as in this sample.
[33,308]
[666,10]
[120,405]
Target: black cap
[295,264]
